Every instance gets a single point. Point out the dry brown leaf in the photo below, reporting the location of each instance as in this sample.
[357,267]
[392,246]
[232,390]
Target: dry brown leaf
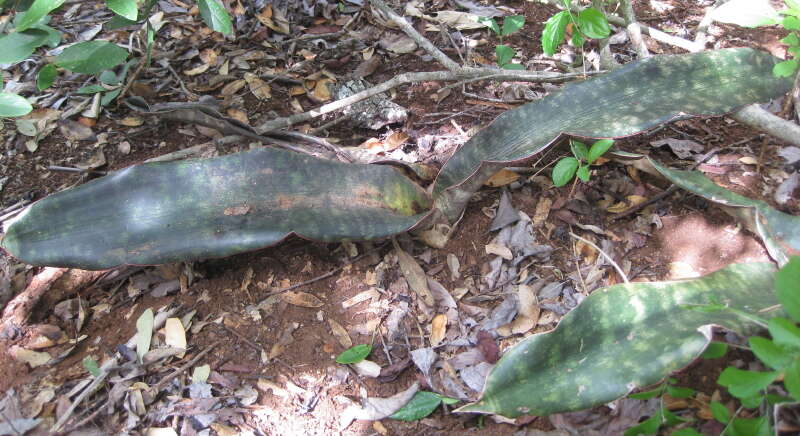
[296,90]
[394,141]
[200,69]
[258,87]
[502,178]
[233,87]
[380,428]
[296,106]
[528,303]
[238,115]
[322,91]
[367,368]
[369,294]
[340,334]
[286,339]
[748,160]
[175,335]
[415,275]
[622,207]
[208,56]
[302,299]
[75,131]
[438,329]
[499,250]
[224,430]
[32,358]
[542,211]
[131,121]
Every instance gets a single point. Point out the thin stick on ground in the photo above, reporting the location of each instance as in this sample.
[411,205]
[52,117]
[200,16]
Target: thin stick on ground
[634,30]
[416,36]
[603,253]
[405,78]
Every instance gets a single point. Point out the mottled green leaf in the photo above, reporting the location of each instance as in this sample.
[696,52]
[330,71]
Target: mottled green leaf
[564,171]
[720,412]
[553,32]
[144,332]
[354,354]
[774,356]
[599,148]
[593,23]
[13,105]
[512,23]
[216,16]
[201,208]
[46,77]
[784,332]
[779,231]
[745,384]
[715,350]
[124,8]
[636,97]
[421,405]
[18,46]
[788,284]
[36,12]
[620,338]
[91,57]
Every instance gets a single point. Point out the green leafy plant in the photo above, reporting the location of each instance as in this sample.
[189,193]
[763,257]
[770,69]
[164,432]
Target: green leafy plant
[354,354]
[421,405]
[780,354]
[569,167]
[589,23]
[663,417]
[504,53]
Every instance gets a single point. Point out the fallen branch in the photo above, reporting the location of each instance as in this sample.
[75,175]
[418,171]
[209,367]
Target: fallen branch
[634,30]
[405,78]
[754,116]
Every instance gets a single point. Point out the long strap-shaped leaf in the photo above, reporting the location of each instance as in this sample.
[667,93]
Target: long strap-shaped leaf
[174,211]
[633,98]
[620,338]
[779,231]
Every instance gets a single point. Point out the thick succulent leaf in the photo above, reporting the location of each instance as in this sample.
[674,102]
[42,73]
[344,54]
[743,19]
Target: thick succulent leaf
[623,102]
[779,231]
[620,338]
[172,211]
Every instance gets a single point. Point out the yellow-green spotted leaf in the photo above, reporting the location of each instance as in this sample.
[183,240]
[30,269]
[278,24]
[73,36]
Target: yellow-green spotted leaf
[202,208]
[621,338]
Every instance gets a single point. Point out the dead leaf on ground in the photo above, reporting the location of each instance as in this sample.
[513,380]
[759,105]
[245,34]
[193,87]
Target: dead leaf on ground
[499,250]
[258,87]
[233,87]
[415,275]
[32,358]
[340,333]
[285,340]
[175,335]
[438,329]
[622,207]
[302,299]
[543,207]
[369,294]
[502,178]
[75,131]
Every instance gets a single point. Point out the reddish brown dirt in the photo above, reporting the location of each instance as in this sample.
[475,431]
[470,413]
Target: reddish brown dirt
[693,232]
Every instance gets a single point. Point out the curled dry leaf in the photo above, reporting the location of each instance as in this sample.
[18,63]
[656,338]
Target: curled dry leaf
[131,121]
[302,299]
[622,207]
[258,87]
[200,69]
[502,178]
[340,333]
[499,250]
[369,294]
[367,368]
[233,87]
[415,276]
[175,335]
[438,329]
[32,358]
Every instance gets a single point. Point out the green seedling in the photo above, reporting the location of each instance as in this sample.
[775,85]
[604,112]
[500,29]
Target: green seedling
[589,23]
[421,405]
[354,354]
[662,417]
[568,167]
[504,53]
